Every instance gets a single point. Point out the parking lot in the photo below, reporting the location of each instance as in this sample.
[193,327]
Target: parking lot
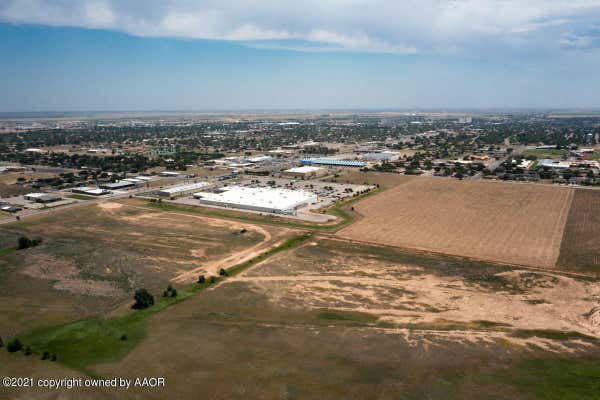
[327,194]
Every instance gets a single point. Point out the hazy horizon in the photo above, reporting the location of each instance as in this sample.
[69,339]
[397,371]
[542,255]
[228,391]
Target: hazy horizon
[204,55]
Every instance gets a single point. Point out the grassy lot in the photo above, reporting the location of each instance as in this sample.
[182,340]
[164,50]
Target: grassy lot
[97,340]
[236,342]
[92,259]
[544,153]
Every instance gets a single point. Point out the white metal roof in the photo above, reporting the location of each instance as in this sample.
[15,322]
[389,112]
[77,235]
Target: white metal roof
[304,169]
[36,195]
[275,198]
[184,188]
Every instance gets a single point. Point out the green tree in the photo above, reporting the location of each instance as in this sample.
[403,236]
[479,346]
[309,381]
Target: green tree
[143,299]
[23,243]
[14,345]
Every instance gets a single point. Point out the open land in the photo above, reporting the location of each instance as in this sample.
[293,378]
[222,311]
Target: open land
[93,257]
[516,224]
[325,316]
[332,319]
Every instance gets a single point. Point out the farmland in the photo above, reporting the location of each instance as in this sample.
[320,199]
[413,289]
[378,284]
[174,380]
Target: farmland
[517,224]
[580,247]
[93,257]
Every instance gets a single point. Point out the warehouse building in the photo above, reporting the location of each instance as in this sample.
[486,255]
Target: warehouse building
[306,171]
[332,162]
[90,191]
[182,190]
[171,174]
[42,197]
[117,185]
[270,200]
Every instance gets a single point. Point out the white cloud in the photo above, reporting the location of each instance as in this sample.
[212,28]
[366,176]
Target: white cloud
[387,26]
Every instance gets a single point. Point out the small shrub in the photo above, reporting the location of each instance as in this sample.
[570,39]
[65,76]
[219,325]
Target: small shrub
[170,292]
[28,351]
[45,356]
[201,280]
[123,337]
[14,345]
[223,272]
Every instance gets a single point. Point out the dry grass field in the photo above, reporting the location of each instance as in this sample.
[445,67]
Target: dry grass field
[331,319]
[92,259]
[580,247]
[509,223]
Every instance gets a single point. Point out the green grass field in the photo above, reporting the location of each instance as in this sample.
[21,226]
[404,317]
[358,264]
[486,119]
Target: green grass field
[544,153]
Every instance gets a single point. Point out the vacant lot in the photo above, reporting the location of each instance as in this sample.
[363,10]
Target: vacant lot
[580,247]
[510,223]
[406,289]
[384,180]
[93,257]
[335,320]
[330,319]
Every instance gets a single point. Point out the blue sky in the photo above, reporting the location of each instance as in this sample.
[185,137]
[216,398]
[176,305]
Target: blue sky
[200,55]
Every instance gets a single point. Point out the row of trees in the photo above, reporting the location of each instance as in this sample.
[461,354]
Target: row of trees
[16,345]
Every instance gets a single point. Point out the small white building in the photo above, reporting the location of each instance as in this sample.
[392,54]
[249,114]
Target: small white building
[42,197]
[90,191]
[172,174]
[182,190]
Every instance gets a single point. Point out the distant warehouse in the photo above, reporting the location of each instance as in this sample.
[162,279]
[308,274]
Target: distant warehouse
[306,171]
[334,162]
[270,200]
[182,190]
[90,191]
[118,185]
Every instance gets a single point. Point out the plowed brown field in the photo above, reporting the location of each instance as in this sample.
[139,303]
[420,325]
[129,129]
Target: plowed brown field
[580,248]
[511,223]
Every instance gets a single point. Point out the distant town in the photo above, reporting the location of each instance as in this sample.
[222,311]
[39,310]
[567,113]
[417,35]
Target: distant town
[50,162]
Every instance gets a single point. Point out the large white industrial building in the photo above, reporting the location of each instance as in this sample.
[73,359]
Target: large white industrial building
[271,200]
